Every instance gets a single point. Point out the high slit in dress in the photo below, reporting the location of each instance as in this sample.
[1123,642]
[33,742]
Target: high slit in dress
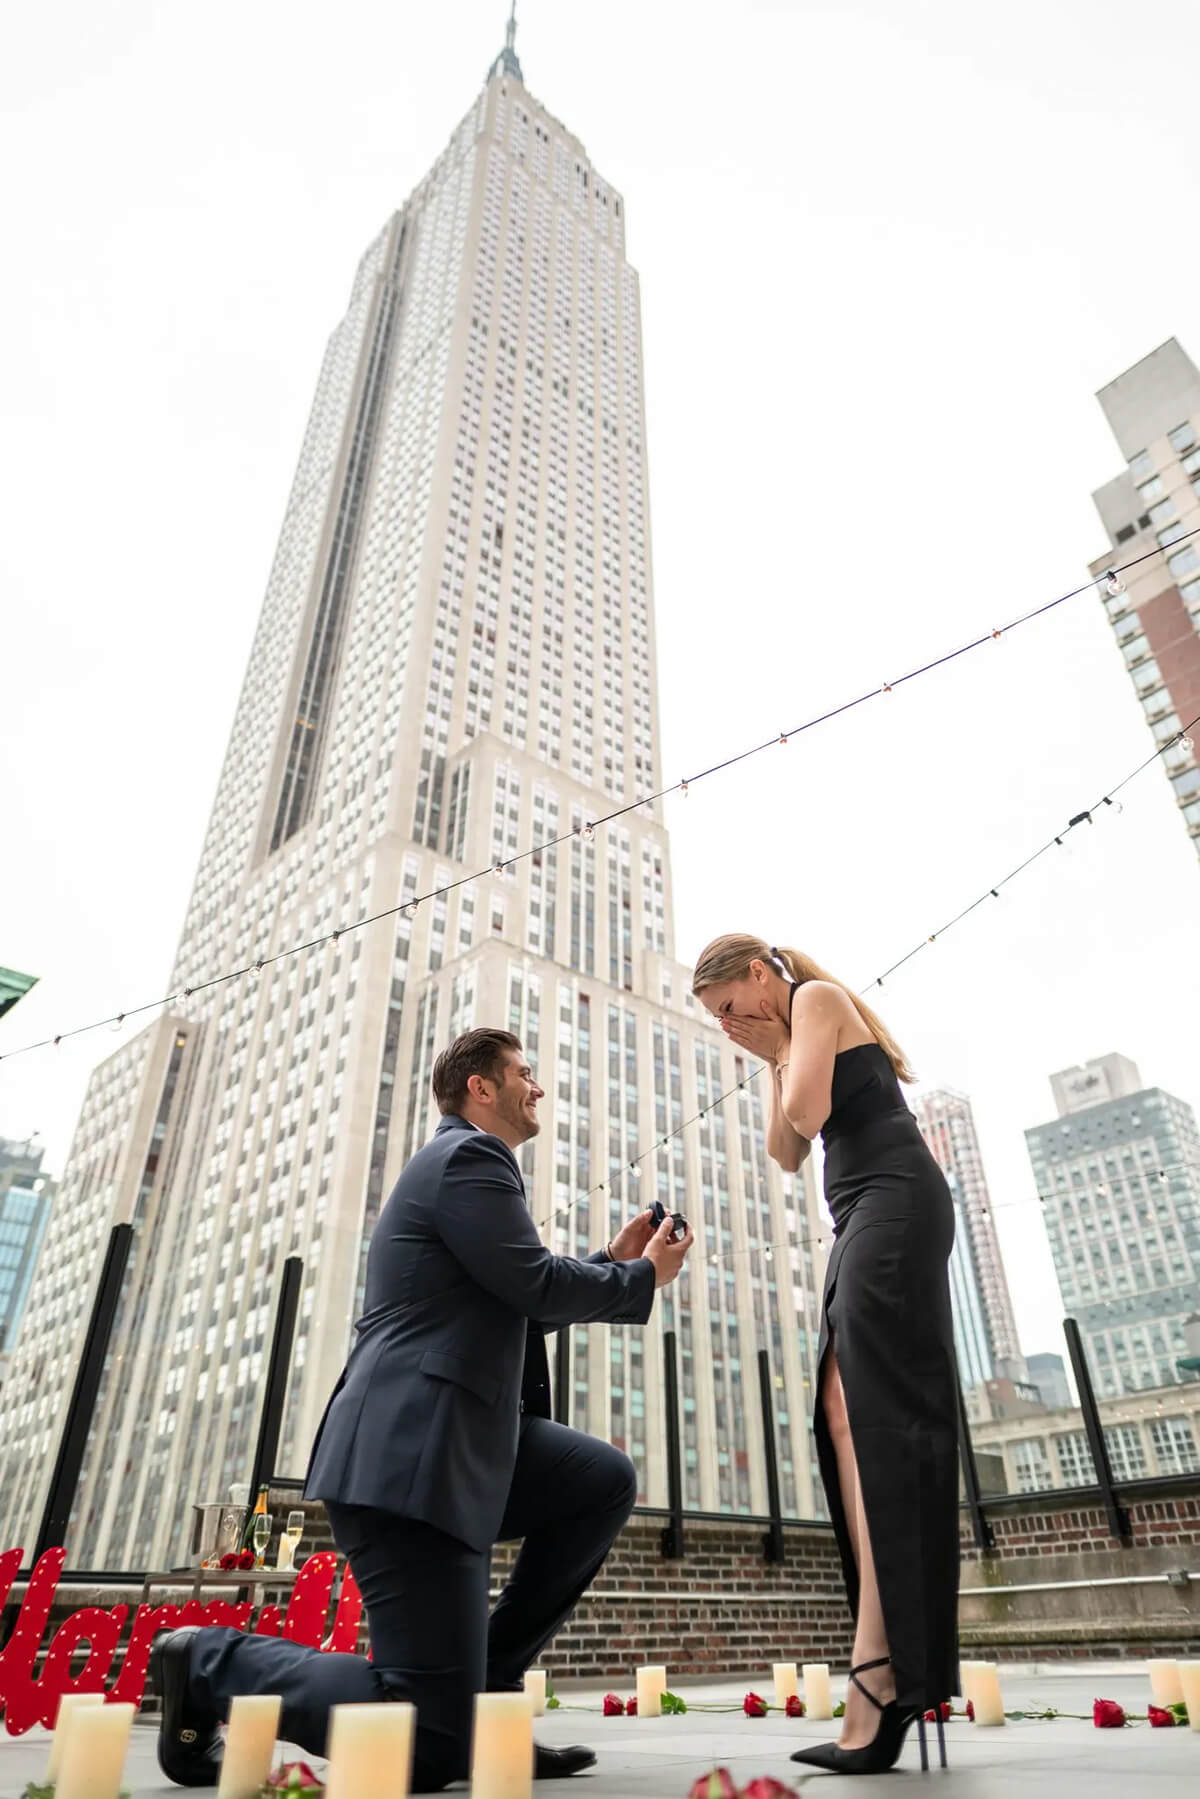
[886,1313]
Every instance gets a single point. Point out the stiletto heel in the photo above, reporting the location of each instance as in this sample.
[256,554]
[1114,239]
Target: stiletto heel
[941,1730]
[923,1743]
[883,1752]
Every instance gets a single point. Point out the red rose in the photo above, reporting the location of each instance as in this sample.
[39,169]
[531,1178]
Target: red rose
[1160,1719]
[754,1706]
[230,1560]
[795,1706]
[613,1706]
[296,1780]
[944,1708]
[631,1708]
[767,1787]
[716,1785]
[246,1559]
[1107,1715]
[971,1710]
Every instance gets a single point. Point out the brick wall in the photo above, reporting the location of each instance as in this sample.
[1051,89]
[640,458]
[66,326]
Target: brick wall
[1059,1585]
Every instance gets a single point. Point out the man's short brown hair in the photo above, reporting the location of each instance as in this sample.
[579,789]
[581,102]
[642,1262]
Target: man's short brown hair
[475,1052]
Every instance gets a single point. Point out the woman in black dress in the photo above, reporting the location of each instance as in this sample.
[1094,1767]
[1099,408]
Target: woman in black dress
[887,1394]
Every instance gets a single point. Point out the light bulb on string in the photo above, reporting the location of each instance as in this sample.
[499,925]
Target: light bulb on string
[409,911]
[588,833]
[1186,743]
[1113,584]
[683,787]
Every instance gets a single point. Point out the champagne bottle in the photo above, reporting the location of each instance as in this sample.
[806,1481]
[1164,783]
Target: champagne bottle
[260,1511]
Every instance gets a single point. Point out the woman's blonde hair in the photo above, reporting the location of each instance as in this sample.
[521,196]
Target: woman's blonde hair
[728,959]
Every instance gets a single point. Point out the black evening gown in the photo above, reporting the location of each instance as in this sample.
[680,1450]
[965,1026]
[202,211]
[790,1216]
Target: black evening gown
[886,1314]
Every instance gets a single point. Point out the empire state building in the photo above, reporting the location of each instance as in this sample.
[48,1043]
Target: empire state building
[455,662]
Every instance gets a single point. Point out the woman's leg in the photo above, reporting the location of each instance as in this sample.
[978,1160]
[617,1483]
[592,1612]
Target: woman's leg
[870,1636]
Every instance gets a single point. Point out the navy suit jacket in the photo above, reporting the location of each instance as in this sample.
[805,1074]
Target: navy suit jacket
[460,1288]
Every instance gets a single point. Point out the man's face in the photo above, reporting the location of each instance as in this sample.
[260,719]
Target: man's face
[517,1096]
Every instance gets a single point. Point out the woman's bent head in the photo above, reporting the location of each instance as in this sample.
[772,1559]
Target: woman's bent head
[737,973]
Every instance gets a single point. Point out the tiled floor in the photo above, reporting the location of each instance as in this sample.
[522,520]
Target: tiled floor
[659,1758]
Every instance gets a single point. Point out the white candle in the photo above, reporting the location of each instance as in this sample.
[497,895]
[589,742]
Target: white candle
[651,1685]
[1189,1680]
[502,1747]
[985,1692]
[1166,1688]
[67,1705]
[969,1671]
[370,1751]
[249,1745]
[94,1757]
[818,1694]
[786,1685]
[535,1686]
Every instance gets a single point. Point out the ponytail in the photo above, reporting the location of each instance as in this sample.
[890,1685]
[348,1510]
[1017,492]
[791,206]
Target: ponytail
[728,959]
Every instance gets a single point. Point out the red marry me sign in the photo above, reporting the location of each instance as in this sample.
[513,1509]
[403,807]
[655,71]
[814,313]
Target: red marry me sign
[27,1699]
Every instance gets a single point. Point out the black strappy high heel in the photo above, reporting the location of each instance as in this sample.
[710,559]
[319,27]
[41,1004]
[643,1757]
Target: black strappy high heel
[883,1752]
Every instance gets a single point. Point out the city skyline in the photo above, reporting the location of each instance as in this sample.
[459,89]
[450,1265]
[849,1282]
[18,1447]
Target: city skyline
[455,653]
[1118,1174]
[150,340]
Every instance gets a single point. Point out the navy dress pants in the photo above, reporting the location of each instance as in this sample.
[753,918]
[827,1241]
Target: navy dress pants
[426,1600]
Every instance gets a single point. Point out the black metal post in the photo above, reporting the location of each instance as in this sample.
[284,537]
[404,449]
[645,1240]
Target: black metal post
[562,1375]
[278,1367]
[1118,1517]
[52,1532]
[985,1537]
[672,1536]
[773,1547]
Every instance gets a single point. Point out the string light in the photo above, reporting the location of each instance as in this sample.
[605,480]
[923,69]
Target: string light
[1113,584]
[990,892]
[588,833]
[648,798]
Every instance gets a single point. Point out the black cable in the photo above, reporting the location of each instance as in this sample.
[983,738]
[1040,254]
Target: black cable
[588,831]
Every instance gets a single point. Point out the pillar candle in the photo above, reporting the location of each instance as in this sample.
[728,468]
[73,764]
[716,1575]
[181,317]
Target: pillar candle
[249,1745]
[651,1685]
[1166,1688]
[502,1747]
[786,1686]
[370,1751]
[985,1693]
[535,1686]
[69,1703]
[818,1694]
[94,1757]
[1189,1681]
[969,1671]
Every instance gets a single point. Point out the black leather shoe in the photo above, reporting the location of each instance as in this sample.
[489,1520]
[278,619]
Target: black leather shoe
[189,1739]
[553,1764]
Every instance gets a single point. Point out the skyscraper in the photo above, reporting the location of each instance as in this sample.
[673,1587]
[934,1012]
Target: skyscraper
[26,1196]
[1154,411]
[985,1331]
[1119,1181]
[455,662]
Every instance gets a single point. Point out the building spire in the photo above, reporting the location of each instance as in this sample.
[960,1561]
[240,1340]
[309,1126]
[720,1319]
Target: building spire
[507,62]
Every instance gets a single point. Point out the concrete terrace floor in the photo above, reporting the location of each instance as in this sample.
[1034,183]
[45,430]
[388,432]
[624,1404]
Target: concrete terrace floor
[659,1758]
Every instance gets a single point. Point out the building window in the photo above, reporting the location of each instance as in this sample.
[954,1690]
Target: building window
[1182,438]
[1075,1459]
[1126,1452]
[1174,1446]
[1152,490]
[1032,1466]
[1141,465]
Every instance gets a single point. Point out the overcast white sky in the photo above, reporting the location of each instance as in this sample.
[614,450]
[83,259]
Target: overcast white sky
[888,253]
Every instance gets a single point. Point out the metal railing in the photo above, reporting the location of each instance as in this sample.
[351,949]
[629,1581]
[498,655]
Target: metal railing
[977,1505]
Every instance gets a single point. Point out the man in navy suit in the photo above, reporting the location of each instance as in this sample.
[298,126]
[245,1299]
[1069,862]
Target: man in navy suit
[438,1442]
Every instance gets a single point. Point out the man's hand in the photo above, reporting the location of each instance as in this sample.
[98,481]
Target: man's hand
[630,1243]
[666,1257]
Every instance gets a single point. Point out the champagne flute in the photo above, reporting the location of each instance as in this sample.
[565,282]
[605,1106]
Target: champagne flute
[289,1539]
[262,1535]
